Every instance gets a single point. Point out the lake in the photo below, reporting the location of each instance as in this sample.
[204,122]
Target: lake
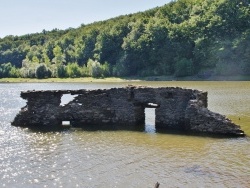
[76,158]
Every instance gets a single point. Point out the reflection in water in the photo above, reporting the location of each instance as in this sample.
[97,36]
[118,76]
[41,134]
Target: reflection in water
[77,158]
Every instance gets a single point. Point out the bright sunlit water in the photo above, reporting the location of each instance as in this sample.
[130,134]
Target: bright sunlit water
[77,158]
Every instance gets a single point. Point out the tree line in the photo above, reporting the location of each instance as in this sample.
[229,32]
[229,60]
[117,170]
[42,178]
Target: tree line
[181,38]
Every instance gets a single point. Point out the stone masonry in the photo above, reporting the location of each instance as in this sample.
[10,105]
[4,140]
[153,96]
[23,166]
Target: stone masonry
[123,108]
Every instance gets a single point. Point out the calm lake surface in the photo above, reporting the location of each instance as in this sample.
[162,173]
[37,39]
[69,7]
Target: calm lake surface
[77,158]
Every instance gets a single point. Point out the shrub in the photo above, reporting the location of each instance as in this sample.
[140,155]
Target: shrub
[73,70]
[5,70]
[61,71]
[42,71]
[94,68]
[184,67]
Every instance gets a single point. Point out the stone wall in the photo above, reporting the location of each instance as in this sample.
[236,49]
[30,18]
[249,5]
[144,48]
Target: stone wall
[123,108]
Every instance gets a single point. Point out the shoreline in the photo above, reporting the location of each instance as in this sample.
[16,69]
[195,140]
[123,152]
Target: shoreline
[60,80]
[123,79]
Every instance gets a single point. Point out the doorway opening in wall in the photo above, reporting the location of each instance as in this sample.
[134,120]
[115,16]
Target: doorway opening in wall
[150,117]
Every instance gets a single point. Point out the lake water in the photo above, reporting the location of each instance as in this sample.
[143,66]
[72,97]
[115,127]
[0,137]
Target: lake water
[77,158]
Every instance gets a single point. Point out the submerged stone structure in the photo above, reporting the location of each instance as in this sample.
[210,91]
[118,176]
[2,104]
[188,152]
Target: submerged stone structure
[123,108]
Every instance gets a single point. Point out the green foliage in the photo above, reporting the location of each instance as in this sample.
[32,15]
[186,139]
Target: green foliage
[42,71]
[61,71]
[180,38]
[106,69]
[5,70]
[14,72]
[94,68]
[28,69]
[73,70]
[122,67]
[184,67]
[59,57]
[34,54]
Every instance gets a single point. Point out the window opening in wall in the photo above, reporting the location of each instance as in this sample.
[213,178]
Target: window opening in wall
[66,98]
[150,120]
[66,123]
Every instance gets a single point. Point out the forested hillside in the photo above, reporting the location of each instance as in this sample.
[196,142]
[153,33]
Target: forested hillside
[182,38]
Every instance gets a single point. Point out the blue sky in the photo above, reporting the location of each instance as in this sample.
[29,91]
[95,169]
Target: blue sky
[18,17]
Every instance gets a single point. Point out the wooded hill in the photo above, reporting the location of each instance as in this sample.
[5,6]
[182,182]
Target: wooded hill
[182,38]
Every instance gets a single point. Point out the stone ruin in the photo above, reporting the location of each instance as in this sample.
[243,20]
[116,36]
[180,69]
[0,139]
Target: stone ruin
[123,108]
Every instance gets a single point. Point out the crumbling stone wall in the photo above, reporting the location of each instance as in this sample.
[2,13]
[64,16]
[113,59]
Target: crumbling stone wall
[176,109]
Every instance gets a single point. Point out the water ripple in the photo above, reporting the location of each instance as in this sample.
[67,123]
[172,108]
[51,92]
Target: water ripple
[77,158]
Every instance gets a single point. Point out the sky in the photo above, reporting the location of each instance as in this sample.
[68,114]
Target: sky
[19,17]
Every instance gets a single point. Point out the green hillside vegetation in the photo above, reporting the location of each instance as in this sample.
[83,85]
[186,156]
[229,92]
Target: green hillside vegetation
[182,38]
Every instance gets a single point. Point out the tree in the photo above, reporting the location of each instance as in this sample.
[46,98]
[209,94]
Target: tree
[14,72]
[35,54]
[59,57]
[161,52]
[42,71]
[106,69]
[5,70]
[135,46]
[94,68]
[73,70]
[184,67]
[108,44]
[61,71]
[45,58]
[87,47]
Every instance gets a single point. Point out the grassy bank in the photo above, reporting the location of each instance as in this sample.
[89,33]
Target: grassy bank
[116,79]
[48,80]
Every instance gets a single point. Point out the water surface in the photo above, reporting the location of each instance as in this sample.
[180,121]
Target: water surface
[77,158]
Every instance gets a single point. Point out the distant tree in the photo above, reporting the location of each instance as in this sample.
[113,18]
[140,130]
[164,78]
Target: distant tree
[35,59]
[184,67]
[59,57]
[135,46]
[5,70]
[42,71]
[14,72]
[9,71]
[73,70]
[45,58]
[34,54]
[61,71]
[94,68]
[86,46]
[106,69]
